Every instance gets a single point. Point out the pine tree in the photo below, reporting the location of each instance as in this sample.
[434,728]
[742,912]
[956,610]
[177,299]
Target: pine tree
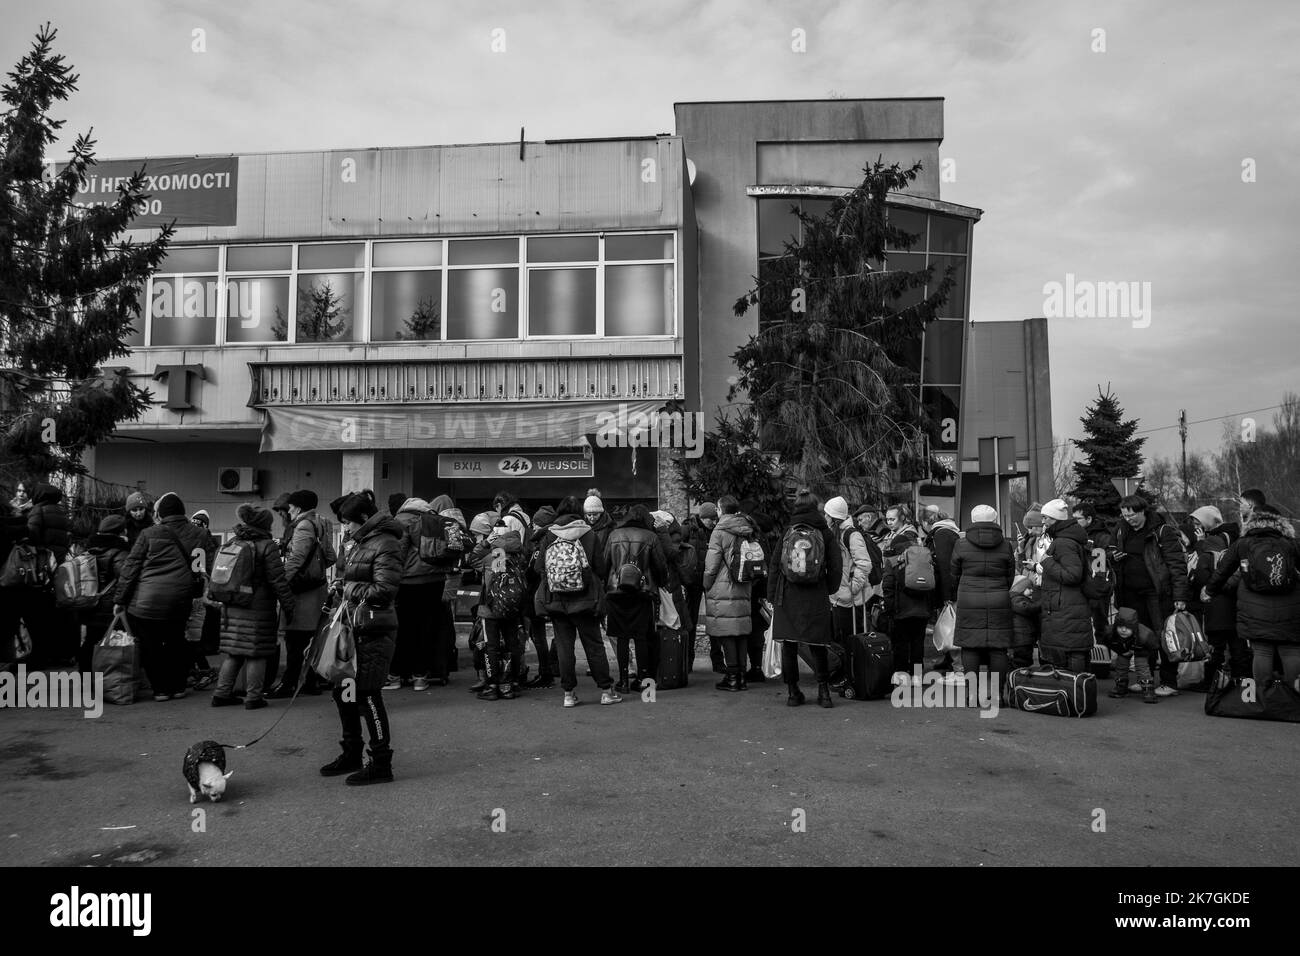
[424,323]
[69,287]
[828,373]
[1110,451]
[322,317]
[733,464]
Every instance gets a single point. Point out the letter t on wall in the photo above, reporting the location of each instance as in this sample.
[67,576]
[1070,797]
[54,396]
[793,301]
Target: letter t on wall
[178,383]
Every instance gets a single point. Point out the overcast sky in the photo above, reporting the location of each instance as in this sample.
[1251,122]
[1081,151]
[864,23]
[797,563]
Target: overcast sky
[1115,166]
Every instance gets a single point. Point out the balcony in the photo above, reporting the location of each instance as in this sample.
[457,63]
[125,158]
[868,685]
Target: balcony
[468,381]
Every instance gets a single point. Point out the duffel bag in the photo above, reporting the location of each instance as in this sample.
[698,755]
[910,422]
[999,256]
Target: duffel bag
[1240,698]
[1049,690]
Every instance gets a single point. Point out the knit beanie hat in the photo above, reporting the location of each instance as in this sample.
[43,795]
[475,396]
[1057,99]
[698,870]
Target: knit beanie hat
[358,508]
[1057,509]
[395,501]
[483,522]
[202,517]
[113,524]
[662,519]
[593,505]
[1209,516]
[281,503]
[171,506]
[837,508]
[306,500]
[983,513]
[708,510]
[137,499]
[255,517]
[1033,519]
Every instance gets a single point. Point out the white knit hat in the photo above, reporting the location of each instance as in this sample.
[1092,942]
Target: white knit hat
[1057,509]
[837,508]
[593,504]
[1209,516]
[983,513]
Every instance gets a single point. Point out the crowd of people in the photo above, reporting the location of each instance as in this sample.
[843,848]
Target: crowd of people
[1067,583]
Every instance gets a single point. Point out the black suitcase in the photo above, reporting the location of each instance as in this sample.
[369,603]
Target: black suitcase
[673,659]
[870,663]
[1049,690]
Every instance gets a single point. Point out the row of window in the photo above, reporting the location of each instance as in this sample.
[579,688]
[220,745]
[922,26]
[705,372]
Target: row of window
[413,290]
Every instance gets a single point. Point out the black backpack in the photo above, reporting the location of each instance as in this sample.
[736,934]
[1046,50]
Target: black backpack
[877,573]
[1270,569]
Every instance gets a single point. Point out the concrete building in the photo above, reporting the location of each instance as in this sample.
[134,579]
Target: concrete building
[497,316]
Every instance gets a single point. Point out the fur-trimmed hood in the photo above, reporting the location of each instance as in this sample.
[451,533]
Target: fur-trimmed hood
[1264,521]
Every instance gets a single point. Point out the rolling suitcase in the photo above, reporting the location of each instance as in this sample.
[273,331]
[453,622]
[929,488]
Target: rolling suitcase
[673,658]
[870,664]
[1049,690]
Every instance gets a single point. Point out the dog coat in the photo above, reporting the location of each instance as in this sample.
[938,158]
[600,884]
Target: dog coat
[205,751]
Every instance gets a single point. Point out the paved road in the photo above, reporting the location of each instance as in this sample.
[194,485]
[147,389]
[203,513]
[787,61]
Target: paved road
[698,777]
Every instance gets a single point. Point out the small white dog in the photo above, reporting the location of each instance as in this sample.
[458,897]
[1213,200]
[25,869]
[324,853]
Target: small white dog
[203,770]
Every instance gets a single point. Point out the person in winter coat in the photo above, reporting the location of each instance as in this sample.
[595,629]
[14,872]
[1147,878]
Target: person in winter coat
[368,585]
[139,514]
[1151,574]
[448,575]
[1067,637]
[905,610]
[512,513]
[109,547]
[801,613]
[1227,648]
[156,590]
[480,527]
[727,614]
[1267,559]
[1099,542]
[418,600]
[44,526]
[307,556]
[941,536]
[1132,642]
[548,664]
[500,559]
[593,509]
[1026,622]
[982,570]
[574,613]
[767,530]
[630,616]
[855,589]
[250,633]
[698,529]
[1031,545]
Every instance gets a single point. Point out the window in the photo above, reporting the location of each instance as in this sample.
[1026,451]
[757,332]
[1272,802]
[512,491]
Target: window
[562,301]
[183,306]
[912,223]
[334,255]
[135,338]
[941,403]
[955,307]
[328,307]
[483,303]
[943,344]
[257,306]
[567,249]
[625,248]
[638,300]
[947,234]
[408,254]
[907,262]
[259,258]
[406,305]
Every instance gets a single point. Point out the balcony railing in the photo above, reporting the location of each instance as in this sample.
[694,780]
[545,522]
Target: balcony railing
[487,380]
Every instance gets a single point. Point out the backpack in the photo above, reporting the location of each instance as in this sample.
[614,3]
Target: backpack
[1182,639]
[877,572]
[803,554]
[917,566]
[1099,582]
[440,541]
[747,560]
[630,578]
[505,587]
[232,574]
[565,563]
[76,582]
[688,563]
[1270,569]
[312,573]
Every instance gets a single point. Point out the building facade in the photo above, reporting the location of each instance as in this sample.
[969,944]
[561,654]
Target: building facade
[510,316]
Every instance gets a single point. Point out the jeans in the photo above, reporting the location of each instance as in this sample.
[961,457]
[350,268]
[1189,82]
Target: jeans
[647,654]
[369,706]
[547,664]
[994,658]
[1140,662]
[502,649]
[569,629]
[254,676]
[1076,662]
[790,662]
[417,614]
[734,650]
[908,639]
[164,652]
[1264,652]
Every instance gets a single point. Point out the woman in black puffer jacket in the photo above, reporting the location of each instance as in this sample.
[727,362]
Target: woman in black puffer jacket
[1268,612]
[1067,636]
[372,572]
[983,568]
[250,635]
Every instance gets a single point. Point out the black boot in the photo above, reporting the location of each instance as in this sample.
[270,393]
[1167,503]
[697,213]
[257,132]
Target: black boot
[345,762]
[824,695]
[479,684]
[756,675]
[741,683]
[796,696]
[506,692]
[727,683]
[489,692]
[378,769]
[281,691]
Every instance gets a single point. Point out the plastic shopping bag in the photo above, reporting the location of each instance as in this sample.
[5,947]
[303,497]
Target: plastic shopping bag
[668,616]
[117,657]
[771,655]
[945,628]
[334,655]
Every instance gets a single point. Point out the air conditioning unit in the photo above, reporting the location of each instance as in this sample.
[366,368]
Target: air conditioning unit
[237,481]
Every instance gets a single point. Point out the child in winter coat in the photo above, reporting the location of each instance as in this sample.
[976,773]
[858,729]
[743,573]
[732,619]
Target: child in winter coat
[1132,641]
[1026,620]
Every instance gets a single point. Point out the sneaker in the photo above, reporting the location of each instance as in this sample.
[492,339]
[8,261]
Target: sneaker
[1164,690]
[256,704]
[159,698]
[421,683]
[223,701]
[609,696]
[570,698]
[205,681]
[393,683]
[542,680]
[179,694]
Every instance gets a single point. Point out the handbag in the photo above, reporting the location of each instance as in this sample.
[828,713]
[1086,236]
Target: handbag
[334,652]
[945,628]
[771,653]
[117,657]
[27,566]
[668,616]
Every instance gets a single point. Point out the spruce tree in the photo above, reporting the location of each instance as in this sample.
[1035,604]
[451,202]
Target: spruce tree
[733,464]
[69,286]
[424,323]
[322,317]
[1110,450]
[828,374]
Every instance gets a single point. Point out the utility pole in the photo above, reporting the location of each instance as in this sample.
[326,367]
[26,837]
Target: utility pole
[1182,431]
